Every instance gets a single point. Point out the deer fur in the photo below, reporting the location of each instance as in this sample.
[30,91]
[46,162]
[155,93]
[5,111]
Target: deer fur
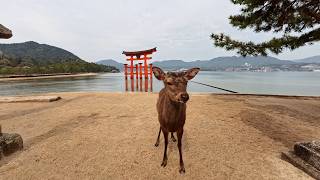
[171,107]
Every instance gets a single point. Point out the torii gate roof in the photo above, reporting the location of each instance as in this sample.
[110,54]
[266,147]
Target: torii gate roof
[139,53]
[5,32]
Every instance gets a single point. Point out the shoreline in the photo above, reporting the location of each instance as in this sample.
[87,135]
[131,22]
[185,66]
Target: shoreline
[3,98]
[284,96]
[46,76]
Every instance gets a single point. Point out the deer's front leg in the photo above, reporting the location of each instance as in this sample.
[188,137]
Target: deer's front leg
[179,134]
[165,158]
[158,139]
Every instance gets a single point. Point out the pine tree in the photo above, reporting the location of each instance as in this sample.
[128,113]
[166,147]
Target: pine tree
[296,20]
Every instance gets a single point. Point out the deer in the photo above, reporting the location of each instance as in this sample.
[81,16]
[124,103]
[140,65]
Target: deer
[171,107]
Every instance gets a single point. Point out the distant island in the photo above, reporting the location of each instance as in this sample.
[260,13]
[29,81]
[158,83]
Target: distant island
[235,64]
[34,58]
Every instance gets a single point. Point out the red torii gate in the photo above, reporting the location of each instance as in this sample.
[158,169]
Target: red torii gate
[134,69]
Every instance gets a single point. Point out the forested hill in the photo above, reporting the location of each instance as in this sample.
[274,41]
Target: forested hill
[32,53]
[32,57]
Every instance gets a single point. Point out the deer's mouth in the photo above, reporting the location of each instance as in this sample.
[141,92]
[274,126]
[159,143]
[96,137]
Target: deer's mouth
[182,102]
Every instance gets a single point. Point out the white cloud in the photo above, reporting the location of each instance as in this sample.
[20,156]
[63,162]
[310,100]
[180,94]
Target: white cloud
[101,29]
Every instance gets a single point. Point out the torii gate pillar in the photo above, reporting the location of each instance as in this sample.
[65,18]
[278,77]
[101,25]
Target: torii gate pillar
[134,68]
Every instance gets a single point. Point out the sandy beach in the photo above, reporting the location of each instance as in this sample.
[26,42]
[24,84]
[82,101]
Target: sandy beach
[4,79]
[112,136]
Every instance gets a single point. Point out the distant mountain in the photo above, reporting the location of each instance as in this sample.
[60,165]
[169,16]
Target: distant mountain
[32,53]
[111,62]
[34,58]
[222,63]
[172,64]
[231,63]
[313,59]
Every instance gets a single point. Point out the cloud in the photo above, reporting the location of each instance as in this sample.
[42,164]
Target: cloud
[100,29]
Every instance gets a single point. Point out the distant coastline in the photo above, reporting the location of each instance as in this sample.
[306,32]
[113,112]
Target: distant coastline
[43,76]
[235,64]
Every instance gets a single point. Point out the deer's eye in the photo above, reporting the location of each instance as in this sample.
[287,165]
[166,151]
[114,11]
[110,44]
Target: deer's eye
[169,83]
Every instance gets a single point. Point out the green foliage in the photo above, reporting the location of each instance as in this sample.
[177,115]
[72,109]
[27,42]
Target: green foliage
[34,58]
[67,67]
[301,17]
[32,53]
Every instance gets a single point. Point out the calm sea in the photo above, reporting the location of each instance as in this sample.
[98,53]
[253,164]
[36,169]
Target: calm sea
[288,83]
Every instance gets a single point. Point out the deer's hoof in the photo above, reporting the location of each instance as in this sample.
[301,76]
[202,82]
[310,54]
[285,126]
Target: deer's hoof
[164,163]
[156,144]
[182,170]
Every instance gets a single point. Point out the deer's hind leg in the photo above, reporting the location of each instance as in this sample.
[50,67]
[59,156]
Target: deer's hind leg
[158,139]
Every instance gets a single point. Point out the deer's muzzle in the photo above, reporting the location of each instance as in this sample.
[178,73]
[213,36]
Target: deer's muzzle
[183,97]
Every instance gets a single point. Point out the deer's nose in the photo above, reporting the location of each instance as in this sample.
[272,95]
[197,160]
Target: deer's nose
[184,97]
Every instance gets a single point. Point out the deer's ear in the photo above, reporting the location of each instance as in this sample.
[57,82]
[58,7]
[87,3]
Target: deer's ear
[191,73]
[158,73]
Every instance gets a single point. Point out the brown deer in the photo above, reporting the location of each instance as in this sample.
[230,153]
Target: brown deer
[171,107]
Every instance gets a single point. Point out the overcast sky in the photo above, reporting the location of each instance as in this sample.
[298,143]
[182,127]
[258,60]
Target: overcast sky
[102,29]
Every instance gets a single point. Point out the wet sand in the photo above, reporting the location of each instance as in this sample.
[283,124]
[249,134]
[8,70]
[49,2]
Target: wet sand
[112,136]
[49,76]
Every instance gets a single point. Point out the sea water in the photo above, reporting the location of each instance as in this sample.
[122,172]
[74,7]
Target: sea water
[286,83]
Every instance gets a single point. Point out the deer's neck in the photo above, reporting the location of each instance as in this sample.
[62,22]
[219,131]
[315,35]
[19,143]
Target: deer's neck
[172,114]
[175,110]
